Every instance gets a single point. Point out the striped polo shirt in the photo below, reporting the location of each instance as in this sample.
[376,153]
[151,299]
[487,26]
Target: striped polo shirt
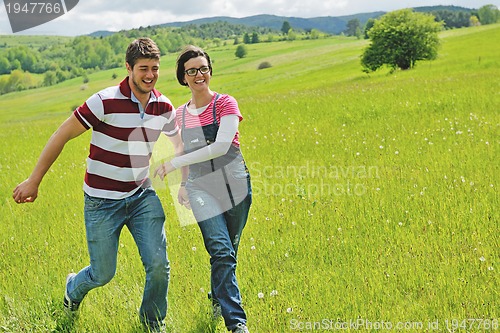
[123,137]
[224,106]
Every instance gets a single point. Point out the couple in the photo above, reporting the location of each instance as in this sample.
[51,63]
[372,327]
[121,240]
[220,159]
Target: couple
[127,120]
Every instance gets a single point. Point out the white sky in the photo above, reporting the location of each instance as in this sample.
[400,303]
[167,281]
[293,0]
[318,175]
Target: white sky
[93,15]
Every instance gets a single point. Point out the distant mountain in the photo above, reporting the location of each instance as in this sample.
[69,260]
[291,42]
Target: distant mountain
[329,24]
[101,33]
[442,8]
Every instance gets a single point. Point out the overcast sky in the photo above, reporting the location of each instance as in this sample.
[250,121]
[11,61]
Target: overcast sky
[92,15]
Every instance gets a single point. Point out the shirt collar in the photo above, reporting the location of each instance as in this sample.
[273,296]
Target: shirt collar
[152,98]
[127,92]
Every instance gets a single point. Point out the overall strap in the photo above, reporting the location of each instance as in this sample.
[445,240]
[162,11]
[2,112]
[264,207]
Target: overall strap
[214,115]
[214,109]
[183,125]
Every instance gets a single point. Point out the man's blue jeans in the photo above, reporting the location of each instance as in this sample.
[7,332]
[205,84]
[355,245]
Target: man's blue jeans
[143,215]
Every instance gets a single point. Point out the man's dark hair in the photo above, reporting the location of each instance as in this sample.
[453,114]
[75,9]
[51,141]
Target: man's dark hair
[141,48]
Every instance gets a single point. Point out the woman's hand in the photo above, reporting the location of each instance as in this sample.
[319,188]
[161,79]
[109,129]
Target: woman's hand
[164,170]
[183,198]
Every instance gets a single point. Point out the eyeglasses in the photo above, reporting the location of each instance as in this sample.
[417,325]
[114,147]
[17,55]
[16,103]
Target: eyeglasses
[194,71]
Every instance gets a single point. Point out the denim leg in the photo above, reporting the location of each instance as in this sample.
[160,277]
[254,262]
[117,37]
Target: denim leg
[236,219]
[104,220]
[223,267]
[221,236]
[221,225]
[146,224]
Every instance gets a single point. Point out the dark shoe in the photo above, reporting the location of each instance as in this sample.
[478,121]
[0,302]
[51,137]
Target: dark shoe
[157,328]
[70,306]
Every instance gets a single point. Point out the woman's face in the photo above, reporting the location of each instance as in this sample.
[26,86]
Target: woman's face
[199,73]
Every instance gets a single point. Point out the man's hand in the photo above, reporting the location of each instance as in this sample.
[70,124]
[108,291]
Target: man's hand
[27,191]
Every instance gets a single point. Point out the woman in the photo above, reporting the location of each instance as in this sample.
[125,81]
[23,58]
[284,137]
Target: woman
[218,186]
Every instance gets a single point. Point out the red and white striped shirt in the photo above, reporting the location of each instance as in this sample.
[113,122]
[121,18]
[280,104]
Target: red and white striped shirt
[122,139]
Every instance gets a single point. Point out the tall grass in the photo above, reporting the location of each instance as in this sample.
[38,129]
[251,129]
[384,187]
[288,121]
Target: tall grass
[375,197]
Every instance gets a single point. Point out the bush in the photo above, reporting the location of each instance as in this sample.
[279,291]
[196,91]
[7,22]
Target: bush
[265,64]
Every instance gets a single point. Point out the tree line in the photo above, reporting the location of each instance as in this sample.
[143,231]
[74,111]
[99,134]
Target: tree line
[450,19]
[83,55]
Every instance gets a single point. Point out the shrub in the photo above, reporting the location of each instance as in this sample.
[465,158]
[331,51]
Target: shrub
[265,64]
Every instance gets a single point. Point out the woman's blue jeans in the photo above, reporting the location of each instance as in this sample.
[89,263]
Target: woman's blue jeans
[221,230]
[143,215]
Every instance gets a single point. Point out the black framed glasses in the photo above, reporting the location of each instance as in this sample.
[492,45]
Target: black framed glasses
[194,71]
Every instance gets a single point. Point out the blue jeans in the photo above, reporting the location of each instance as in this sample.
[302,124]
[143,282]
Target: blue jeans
[143,215]
[221,235]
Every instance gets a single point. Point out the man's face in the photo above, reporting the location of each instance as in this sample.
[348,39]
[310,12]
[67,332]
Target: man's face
[143,76]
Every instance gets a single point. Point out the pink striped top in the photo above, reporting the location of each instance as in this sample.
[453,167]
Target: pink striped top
[225,105]
[122,139]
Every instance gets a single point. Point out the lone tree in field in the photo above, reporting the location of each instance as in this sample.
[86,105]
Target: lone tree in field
[400,38]
[241,51]
[285,27]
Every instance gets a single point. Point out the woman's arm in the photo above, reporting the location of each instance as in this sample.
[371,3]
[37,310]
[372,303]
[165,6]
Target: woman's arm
[225,135]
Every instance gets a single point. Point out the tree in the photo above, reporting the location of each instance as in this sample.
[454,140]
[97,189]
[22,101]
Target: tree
[49,78]
[4,65]
[400,38]
[353,28]
[241,51]
[315,34]
[488,14]
[369,24]
[255,38]
[286,27]
[474,21]
[246,38]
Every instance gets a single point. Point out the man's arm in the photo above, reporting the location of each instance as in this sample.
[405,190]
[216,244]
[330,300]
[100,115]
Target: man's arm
[182,196]
[179,150]
[27,191]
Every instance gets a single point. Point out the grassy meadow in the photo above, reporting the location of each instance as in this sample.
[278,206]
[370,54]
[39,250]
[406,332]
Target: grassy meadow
[375,197]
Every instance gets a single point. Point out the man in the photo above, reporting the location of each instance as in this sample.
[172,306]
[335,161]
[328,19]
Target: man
[126,120]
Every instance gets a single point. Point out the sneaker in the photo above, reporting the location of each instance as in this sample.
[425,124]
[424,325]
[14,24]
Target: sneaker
[69,305]
[154,328]
[241,328]
[216,308]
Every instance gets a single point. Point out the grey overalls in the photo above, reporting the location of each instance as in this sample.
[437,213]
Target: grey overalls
[225,178]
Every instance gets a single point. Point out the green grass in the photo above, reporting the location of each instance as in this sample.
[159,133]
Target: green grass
[375,196]
[31,41]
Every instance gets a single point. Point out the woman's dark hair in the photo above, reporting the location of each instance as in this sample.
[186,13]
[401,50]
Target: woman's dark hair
[190,52]
[141,48]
